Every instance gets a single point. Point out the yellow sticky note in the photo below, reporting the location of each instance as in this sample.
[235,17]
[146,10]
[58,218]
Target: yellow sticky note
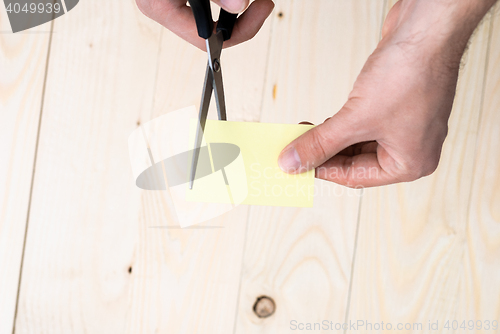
[250,173]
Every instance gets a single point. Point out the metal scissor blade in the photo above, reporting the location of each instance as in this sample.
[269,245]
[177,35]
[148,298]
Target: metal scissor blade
[219,96]
[214,49]
[213,81]
[202,119]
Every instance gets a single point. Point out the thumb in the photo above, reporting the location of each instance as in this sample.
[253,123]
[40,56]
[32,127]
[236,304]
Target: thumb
[320,143]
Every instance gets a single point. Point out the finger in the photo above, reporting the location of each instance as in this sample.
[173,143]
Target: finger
[322,142]
[359,148]
[306,122]
[249,23]
[363,170]
[232,6]
[392,19]
[176,16]
[183,25]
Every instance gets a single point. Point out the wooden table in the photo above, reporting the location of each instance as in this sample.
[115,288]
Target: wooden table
[80,246]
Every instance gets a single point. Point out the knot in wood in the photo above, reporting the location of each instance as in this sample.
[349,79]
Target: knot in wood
[264,306]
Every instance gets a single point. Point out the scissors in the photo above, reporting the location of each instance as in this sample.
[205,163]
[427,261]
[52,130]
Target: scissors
[213,74]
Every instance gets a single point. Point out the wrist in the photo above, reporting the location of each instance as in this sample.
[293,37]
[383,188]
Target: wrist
[444,26]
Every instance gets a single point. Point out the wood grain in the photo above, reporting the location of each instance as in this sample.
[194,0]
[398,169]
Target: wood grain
[481,260]
[22,66]
[412,238]
[85,207]
[103,257]
[302,257]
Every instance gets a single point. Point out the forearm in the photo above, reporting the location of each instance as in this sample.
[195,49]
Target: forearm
[444,24]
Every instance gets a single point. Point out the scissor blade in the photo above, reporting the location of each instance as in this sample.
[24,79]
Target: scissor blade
[213,81]
[202,119]
[214,49]
[219,96]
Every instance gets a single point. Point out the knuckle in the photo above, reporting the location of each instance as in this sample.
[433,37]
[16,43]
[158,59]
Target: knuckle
[406,172]
[413,170]
[153,8]
[246,35]
[140,4]
[144,6]
[317,145]
[429,167]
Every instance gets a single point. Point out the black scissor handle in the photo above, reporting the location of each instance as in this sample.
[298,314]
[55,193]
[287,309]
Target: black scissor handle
[226,23]
[203,17]
[204,22]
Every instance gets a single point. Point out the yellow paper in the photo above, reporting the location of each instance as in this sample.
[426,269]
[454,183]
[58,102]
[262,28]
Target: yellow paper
[254,177]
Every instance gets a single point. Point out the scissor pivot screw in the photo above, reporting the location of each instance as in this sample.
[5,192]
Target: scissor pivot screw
[216,65]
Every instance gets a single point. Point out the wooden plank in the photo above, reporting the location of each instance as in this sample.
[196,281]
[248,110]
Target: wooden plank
[301,258]
[409,261]
[85,207]
[22,66]
[188,279]
[482,254]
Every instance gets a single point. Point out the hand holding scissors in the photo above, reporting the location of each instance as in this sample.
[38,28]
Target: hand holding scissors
[176,16]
